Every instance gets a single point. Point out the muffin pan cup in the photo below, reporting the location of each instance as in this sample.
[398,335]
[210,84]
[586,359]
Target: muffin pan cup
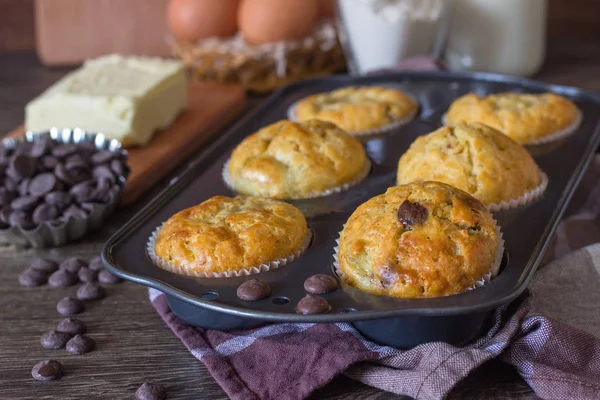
[527,230]
[51,234]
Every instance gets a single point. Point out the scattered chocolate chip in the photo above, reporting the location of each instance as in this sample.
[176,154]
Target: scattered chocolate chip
[69,306]
[58,199]
[24,203]
[320,284]
[80,344]
[44,265]
[54,340]
[96,264]
[71,326]
[150,391]
[311,304]
[62,278]
[106,278]
[253,290]
[42,184]
[44,213]
[87,275]
[23,166]
[72,264]
[410,214]
[90,291]
[48,370]
[32,277]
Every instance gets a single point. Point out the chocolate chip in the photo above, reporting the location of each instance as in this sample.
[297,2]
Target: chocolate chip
[87,275]
[77,160]
[410,214]
[21,219]
[64,150]
[311,304]
[45,265]
[102,157]
[80,344]
[24,203]
[104,172]
[40,147]
[44,213]
[150,391]
[69,306]
[32,277]
[106,278]
[58,199]
[101,192]
[253,290]
[23,166]
[96,264]
[23,187]
[62,278]
[90,291]
[48,370]
[83,192]
[71,326]
[6,196]
[118,167]
[54,340]
[88,208]
[23,148]
[50,162]
[11,184]
[72,264]
[74,212]
[42,184]
[320,284]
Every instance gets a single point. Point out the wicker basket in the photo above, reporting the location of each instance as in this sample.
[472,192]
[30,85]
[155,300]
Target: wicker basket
[266,67]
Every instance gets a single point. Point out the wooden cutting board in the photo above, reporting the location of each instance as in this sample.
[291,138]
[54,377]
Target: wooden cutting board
[211,106]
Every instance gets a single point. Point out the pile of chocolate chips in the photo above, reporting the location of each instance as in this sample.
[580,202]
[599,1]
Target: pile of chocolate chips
[51,181]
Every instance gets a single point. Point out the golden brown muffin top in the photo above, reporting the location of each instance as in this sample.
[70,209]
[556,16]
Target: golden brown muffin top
[424,239]
[472,157]
[290,160]
[226,234]
[357,109]
[523,117]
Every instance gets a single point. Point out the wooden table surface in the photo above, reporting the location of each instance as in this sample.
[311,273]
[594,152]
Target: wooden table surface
[133,344]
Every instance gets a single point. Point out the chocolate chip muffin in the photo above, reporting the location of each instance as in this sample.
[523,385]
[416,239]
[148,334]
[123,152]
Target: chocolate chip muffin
[226,236]
[475,158]
[425,239]
[358,109]
[526,118]
[289,160]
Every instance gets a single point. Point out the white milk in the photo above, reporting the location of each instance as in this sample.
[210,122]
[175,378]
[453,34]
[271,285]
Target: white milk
[503,36]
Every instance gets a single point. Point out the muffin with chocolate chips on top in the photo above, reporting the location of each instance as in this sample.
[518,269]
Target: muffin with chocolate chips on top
[425,239]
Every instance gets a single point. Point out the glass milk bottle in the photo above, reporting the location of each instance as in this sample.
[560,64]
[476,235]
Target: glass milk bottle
[502,36]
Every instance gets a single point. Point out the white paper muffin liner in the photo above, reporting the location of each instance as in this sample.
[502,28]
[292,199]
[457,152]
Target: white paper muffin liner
[291,115]
[336,189]
[494,269]
[522,200]
[553,137]
[161,263]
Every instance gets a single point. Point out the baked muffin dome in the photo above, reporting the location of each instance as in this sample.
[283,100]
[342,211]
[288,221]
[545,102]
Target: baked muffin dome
[424,239]
[356,109]
[226,235]
[289,160]
[525,118]
[472,157]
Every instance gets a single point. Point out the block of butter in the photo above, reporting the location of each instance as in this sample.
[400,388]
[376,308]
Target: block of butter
[126,98]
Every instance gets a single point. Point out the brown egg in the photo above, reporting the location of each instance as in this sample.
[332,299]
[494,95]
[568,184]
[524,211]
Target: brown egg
[268,21]
[191,20]
[326,8]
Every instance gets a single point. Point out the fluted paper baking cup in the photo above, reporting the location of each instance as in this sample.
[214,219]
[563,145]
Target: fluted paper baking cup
[524,199]
[494,269]
[291,115]
[553,137]
[336,189]
[58,233]
[161,263]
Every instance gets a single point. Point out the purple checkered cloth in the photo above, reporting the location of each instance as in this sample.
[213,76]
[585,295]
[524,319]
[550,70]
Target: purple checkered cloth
[551,334]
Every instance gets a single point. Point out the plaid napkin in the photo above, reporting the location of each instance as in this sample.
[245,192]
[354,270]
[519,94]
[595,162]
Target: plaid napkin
[551,335]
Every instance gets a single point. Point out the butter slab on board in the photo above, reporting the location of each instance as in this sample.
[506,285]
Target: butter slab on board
[211,106]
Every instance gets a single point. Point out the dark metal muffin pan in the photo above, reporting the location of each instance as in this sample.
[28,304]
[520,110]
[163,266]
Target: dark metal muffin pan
[212,303]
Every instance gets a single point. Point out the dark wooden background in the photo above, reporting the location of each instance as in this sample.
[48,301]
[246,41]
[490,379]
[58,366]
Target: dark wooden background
[566,18]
